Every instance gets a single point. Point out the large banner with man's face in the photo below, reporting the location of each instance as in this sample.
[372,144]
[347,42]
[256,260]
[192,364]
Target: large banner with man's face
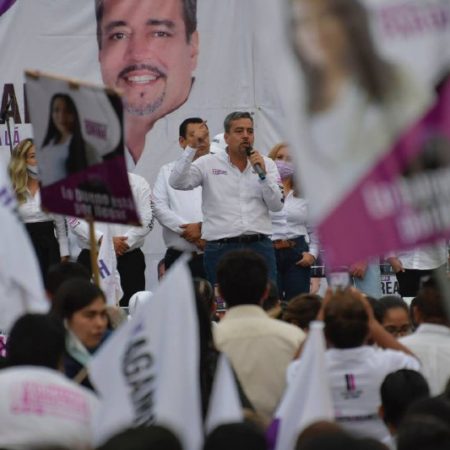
[172,61]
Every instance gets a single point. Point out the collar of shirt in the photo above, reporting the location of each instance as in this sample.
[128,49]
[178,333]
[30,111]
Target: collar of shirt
[428,328]
[240,311]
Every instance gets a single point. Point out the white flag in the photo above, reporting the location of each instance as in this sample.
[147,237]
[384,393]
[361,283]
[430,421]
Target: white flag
[21,288]
[107,267]
[307,398]
[147,372]
[224,404]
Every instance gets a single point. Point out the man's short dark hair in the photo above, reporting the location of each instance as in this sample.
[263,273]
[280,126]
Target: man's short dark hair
[58,273]
[186,122]
[36,340]
[189,18]
[143,438]
[346,320]
[242,276]
[430,302]
[236,115]
[398,391]
[237,436]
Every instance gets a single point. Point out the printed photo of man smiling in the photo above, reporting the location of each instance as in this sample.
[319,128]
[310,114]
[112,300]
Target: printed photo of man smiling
[148,49]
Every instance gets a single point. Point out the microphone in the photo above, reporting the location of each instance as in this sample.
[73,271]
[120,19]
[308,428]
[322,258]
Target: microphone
[258,169]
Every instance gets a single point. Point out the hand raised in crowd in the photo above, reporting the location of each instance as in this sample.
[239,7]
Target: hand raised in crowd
[358,269]
[120,246]
[192,231]
[256,158]
[396,264]
[307,260]
[199,136]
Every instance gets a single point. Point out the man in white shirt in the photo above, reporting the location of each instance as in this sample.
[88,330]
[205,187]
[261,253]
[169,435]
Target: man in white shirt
[410,266]
[39,406]
[180,212]
[259,347]
[235,200]
[431,341]
[127,240]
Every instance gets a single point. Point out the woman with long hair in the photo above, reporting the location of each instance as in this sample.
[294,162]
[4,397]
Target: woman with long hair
[50,248]
[294,240]
[64,151]
[357,102]
[82,306]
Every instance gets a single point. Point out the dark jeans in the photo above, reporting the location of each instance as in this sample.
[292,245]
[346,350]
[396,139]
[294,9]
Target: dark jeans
[214,251]
[131,267]
[292,280]
[195,263]
[409,281]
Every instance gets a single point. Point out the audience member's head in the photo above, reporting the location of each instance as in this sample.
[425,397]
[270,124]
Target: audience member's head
[58,273]
[36,340]
[204,293]
[143,438]
[399,390]
[423,433]
[272,303]
[430,307]
[395,315]
[82,305]
[346,320]
[242,277]
[326,436]
[236,436]
[302,310]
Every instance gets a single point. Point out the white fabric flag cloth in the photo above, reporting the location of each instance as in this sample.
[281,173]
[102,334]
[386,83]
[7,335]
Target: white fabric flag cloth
[147,371]
[307,398]
[21,287]
[107,267]
[224,404]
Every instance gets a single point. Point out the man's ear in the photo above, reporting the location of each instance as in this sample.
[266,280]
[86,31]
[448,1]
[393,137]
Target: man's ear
[194,44]
[265,294]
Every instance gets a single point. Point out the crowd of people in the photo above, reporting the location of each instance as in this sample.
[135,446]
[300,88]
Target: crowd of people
[251,245]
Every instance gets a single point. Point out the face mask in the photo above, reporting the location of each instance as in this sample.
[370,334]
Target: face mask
[33,171]
[286,168]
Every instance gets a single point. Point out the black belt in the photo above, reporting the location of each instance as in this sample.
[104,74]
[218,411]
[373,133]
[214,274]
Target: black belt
[243,239]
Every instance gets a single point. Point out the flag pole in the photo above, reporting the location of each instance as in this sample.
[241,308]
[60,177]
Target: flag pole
[93,252]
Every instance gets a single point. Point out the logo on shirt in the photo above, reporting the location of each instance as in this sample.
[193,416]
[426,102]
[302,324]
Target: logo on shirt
[219,172]
[350,380]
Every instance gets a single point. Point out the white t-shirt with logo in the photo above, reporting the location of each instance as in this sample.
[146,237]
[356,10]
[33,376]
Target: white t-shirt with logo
[355,376]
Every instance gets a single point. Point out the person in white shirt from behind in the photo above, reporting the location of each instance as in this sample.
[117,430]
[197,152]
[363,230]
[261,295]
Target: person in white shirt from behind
[235,200]
[431,341]
[180,212]
[355,369]
[127,240]
[39,406]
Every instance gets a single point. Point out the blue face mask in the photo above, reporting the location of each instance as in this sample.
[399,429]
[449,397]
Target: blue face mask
[33,171]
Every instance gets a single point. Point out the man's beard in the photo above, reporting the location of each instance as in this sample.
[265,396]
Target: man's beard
[146,109]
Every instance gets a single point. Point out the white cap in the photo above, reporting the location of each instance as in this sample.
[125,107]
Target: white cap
[137,300]
[218,143]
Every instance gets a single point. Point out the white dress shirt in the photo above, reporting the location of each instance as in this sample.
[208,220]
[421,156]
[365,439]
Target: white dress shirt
[425,257]
[136,235]
[174,208]
[431,344]
[233,202]
[31,212]
[293,221]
